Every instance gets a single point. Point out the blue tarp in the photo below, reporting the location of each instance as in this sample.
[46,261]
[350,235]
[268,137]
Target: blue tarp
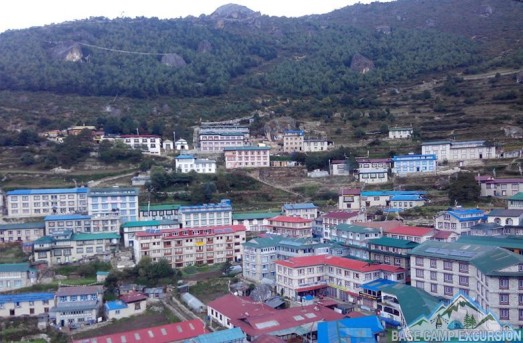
[355,330]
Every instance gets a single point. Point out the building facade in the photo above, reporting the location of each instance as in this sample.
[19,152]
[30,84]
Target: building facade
[400,132]
[494,187]
[315,145]
[354,237]
[25,304]
[217,141]
[459,220]
[149,144]
[373,175]
[375,163]
[410,164]
[189,163]
[293,140]
[21,232]
[493,276]
[392,251]
[515,202]
[192,246]
[82,223]
[247,157]
[254,221]
[129,229]
[24,203]
[291,226]
[159,212]
[206,214]
[304,210]
[77,305]
[116,200]
[349,199]
[459,151]
[16,275]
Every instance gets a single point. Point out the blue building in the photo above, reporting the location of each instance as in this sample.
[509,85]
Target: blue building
[206,214]
[114,200]
[408,164]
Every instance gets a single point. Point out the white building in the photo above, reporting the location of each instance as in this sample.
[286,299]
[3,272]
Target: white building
[121,200]
[131,228]
[459,151]
[82,223]
[167,145]
[149,144]
[400,132]
[77,305]
[373,175]
[206,214]
[188,163]
[16,275]
[293,140]
[306,210]
[458,220]
[247,157]
[315,144]
[25,304]
[181,145]
[24,203]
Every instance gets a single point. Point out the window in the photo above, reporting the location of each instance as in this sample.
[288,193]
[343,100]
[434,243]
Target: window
[503,283]
[463,268]
[419,261]
[434,288]
[447,277]
[433,275]
[503,299]
[463,280]
[419,273]
[420,284]
[520,314]
[504,314]
[520,283]
[448,290]
[433,263]
[447,265]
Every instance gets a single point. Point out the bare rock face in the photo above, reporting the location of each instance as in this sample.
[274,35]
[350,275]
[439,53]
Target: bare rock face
[67,51]
[204,47]
[233,11]
[174,60]
[361,64]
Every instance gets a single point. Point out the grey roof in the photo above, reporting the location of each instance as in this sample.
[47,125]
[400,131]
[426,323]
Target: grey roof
[486,226]
[356,228]
[79,290]
[505,213]
[76,305]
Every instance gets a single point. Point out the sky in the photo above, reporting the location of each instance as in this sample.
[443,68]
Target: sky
[20,14]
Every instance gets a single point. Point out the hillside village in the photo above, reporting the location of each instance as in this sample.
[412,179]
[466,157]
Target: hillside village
[344,264]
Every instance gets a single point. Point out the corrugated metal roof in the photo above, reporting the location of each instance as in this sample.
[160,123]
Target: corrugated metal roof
[47,191]
[25,297]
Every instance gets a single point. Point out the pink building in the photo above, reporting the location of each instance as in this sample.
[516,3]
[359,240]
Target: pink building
[291,226]
[247,157]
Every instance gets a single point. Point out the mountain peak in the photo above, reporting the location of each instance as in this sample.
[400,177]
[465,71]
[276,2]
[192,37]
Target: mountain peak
[234,11]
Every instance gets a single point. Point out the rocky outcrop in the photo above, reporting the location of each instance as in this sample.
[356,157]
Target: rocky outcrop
[174,60]
[361,64]
[204,47]
[67,51]
[233,11]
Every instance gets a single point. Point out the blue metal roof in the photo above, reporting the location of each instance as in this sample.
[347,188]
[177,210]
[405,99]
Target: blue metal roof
[47,191]
[300,206]
[25,297]
[404,197]
[67,217]
[467,214]
[115,305]
[417,157]
[357,330]
[223,336]
[297,132]
[185,157]
[390,193]
[378,284]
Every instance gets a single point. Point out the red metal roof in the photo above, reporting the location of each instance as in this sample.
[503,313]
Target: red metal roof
[411,231]
[350,191]
[132,297]
[290,219]
[157,334]
[385,225]
[342,262]
[311,288]
[340,215]
[266,338]
[189,231]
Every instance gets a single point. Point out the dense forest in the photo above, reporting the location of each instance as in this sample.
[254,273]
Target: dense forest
[216,55]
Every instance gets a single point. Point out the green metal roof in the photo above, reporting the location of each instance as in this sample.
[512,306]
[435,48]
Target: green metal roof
[493,261]
[263,242]
[356,228]
[507,242]
[394,242]
[15,267]
[148,223]
[94,236]
[414,301]
[518,196]
[23,226]
[161,207]
[254,215]
[44,240]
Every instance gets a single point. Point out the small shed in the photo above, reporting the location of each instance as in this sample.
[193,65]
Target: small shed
[101,276]
[194,303]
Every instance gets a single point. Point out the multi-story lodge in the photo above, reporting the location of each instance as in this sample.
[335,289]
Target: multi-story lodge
[373,175]
[515,202]
[293,140]
[25,304]
[392,251]
[400,132]
[16,275]
[82,223]
[459,220]
[159,212]
[506,217]
[254,221]
[376,163]
[296,227]
[188,163]
[21,232]
[337,277]
[206,214]
[120,200]
[315,144]
[459,151]
[192,246]
[77,305]
[494,187]
[405,201]
[66,247]
[22,203]
[150,144]
[354,237]
[306,210]
[261,253]
[354,199]
[334,218]
[129,229]
[493,276]
[217,141]
[412,164]
[248,156]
